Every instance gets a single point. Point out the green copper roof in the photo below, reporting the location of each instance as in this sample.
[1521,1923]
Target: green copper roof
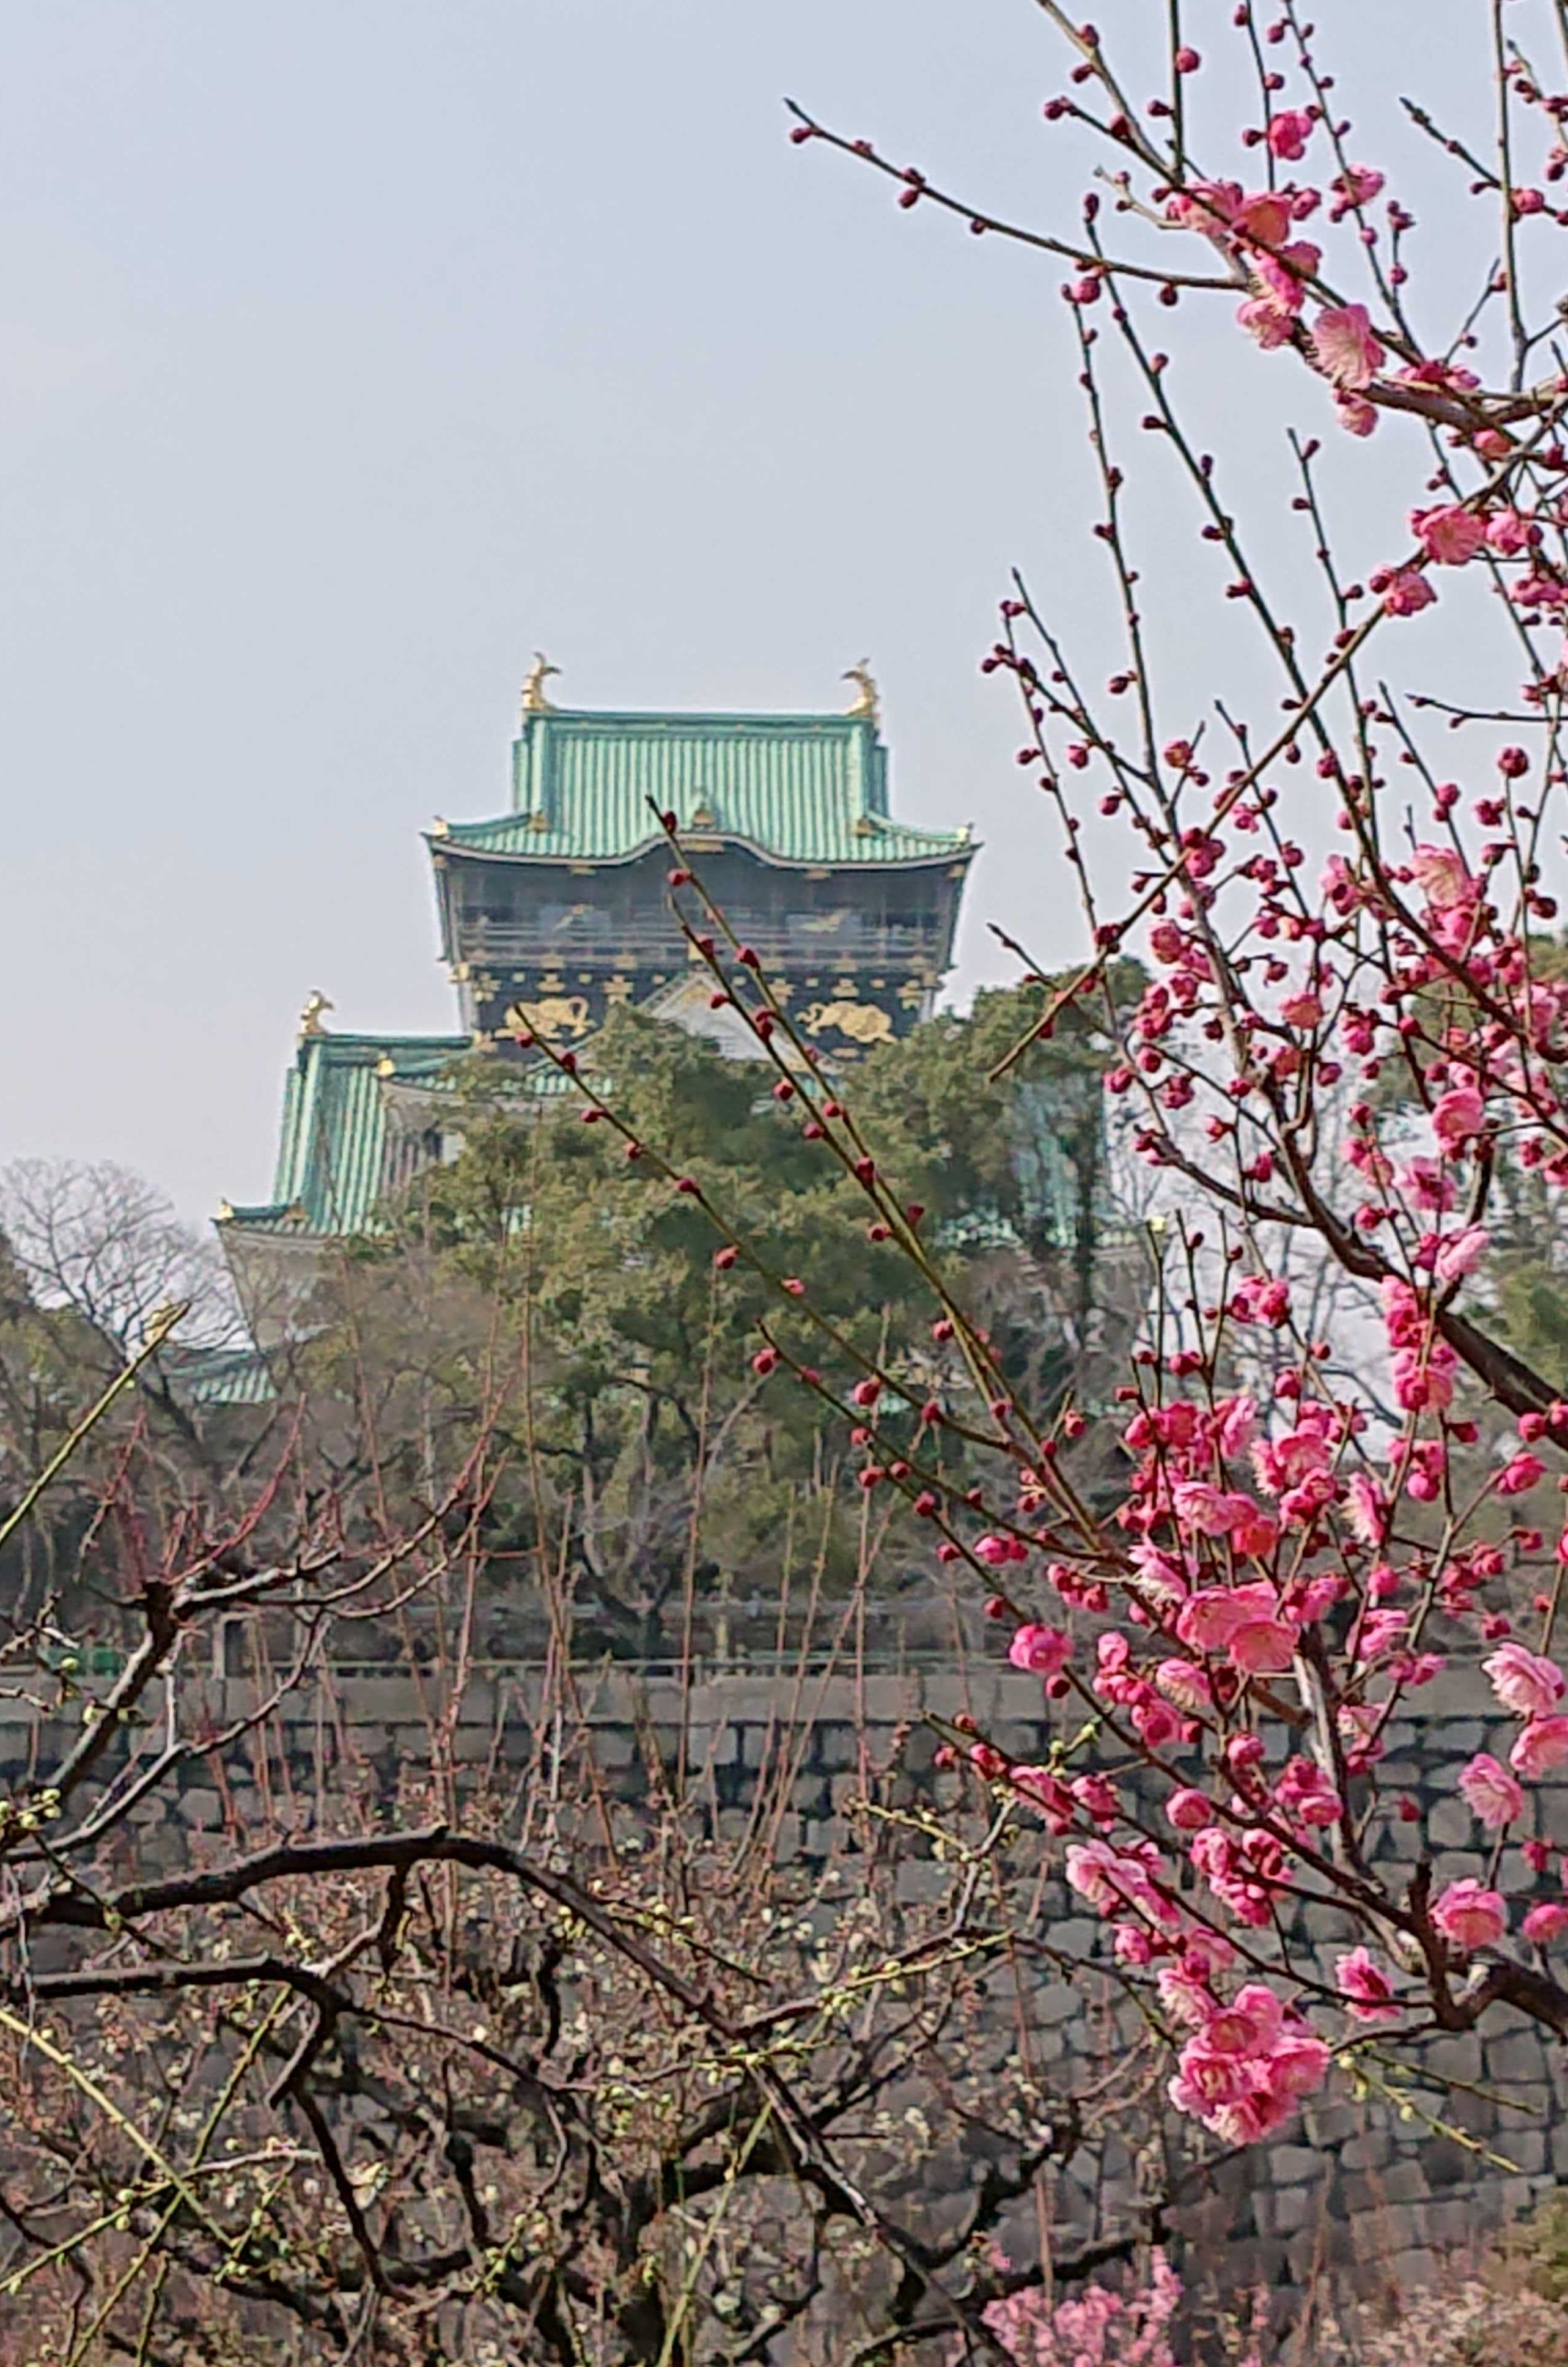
[332,1158]
[798,788]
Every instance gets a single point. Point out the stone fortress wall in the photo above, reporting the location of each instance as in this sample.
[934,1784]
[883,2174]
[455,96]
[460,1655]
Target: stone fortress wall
[1354,2187]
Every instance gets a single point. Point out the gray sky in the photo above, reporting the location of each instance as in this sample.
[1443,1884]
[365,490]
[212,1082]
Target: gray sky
[352,349]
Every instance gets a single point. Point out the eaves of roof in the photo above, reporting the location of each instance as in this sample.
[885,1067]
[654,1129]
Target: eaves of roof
[796,790]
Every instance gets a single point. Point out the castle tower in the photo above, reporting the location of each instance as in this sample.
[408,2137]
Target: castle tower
[559,909]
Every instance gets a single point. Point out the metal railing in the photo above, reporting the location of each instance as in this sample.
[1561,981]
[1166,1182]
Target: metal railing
[641,944]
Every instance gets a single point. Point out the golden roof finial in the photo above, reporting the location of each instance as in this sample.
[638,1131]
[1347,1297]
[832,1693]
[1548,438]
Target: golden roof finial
[534,699]
[867,701]
[311,1018]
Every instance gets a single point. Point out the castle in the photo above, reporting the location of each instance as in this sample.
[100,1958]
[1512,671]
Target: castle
[558,910]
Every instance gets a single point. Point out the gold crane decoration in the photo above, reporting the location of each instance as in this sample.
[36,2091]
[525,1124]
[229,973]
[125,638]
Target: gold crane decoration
[311,1018]
[867,701]
[534,699]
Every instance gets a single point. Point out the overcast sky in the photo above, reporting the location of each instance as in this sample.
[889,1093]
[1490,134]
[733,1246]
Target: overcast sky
[351,349]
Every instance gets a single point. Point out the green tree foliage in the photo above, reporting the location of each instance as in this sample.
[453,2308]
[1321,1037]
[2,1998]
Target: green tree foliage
[569,1289]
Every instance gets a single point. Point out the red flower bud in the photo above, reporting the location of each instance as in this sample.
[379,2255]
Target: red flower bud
[669,819]
[764,1360]
[794,1286]
[678,879]
[748,959]
[865,1170]
[724,1259]
[688,1185]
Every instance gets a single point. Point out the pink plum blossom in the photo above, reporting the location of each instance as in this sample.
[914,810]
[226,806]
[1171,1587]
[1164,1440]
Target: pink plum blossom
[1461,1253]
[1112,1880]
[1267,322]
[1405,592]
[1366,1508]
[1355,413]
[1287,134]
[1044,1651]
[1441,876]
[1346,350]
[1263,216]
[1246,2065]
[1458,1116]
[1305,1793]
[1048,1794]
[1525,1681]
[1264,1646]
[1469,1914]
[1208,1618]
[1543,1745]
[1450,534]
[1546,1922]
[1256,1298]
[1183,1682]
[1212,1511]
[1357,184]
[1422,1378]
[1365,1987]
[1510,533]
[1491,1791]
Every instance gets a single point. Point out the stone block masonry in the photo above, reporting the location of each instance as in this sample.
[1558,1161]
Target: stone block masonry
[1357,2187]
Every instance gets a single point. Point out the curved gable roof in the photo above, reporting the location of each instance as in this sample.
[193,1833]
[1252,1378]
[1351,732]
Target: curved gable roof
[795,788]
